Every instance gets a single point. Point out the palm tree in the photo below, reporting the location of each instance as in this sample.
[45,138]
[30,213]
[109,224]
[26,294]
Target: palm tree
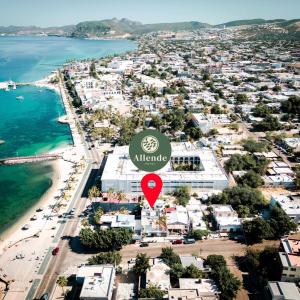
[110,193]
[162,221]
[121,196]
[93,192]
[62,281]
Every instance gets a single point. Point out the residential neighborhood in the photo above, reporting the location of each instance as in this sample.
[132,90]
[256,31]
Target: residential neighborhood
[231,112]
[226,221]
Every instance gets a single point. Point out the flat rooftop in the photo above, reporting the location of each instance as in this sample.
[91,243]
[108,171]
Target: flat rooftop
[98,281]
[120,167]
[291,255]
[222,208]
[286,289]
[291,205]
[204,286]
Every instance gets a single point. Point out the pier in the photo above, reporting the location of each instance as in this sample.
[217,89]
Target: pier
[29,159]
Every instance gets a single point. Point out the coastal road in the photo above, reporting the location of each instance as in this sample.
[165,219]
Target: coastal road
[68,229]
[67,232]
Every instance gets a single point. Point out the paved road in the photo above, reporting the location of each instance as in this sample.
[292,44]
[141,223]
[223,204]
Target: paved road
[68,229]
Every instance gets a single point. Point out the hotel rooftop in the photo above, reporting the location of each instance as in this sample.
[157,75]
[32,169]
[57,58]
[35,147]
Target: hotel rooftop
[122,175]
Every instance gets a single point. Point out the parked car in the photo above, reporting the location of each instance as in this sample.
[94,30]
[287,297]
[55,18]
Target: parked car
[189,241]
[45,297]
[55,251]
[144,245]
[177,242]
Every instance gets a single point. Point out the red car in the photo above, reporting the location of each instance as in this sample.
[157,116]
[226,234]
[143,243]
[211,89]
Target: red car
[55,251]
[177,242]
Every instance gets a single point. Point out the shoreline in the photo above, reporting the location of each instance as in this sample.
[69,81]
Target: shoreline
[61,169]
[42,201]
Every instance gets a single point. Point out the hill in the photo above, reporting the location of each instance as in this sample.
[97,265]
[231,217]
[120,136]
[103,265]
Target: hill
[251,22]
[35,30]
[124,26]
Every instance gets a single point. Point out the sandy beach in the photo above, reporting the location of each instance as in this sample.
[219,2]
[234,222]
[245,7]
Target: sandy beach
[24,250]
[15,232]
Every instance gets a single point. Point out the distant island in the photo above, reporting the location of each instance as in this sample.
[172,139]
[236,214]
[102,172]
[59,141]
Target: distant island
[125,28]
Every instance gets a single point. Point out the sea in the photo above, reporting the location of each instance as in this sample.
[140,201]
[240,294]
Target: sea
[28,125]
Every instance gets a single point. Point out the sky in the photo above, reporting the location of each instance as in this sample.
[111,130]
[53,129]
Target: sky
[66,12]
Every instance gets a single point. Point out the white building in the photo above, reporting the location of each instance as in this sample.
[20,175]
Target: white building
[121,174]
[283,290]
[226,218]
[196,289]
[207,122]
[290,260]
[97,280]
[150,224]
[118,221]
[178,221]
[291,206]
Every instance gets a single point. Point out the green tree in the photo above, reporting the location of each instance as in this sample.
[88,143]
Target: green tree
[254,146]
[182,195]
[141,264]
[169,256]
[112,257]
[105,240]
[262,266]
[243,211]
[241,99]
[215,261]
[291,106]
[261,110]
[97,215]
[276,88]
[213,132]
[227,282]
[198,234]
[62,281]
[251,179]
[192,271]
[93,71]
[240,196]
[93,192]
[176,271]
[257,230]
[281,222]
[247,162]
[152,292]
[269,123]
[216,109]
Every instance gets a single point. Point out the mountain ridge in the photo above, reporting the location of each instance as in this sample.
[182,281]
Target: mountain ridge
[125,27]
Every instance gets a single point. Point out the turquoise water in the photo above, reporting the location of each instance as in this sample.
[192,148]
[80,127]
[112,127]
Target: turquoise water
[30,125]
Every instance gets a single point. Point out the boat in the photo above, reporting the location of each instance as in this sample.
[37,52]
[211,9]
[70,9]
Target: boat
[33,218]
[20,98]
[25,227]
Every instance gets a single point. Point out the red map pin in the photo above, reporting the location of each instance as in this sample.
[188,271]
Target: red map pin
[151,192]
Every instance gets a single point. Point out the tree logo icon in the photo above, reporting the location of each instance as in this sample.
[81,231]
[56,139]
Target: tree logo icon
[150,144]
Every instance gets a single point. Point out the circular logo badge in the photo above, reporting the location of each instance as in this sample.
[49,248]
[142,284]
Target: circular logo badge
[150,150]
